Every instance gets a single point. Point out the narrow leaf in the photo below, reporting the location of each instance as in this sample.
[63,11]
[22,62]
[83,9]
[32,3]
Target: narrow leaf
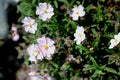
[111,70]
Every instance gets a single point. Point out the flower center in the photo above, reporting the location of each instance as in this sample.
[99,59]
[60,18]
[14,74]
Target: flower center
[45,11]
[116,40]
[35,74]
[80,35]
[30,25]
[45,46]
[33,54]
[77,12]
[38,51]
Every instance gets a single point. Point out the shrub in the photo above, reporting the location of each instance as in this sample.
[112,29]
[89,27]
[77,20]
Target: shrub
[84,36]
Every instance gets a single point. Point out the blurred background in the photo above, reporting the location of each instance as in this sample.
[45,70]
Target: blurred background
[9,64]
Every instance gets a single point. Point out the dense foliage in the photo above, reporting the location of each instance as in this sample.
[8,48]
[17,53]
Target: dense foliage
[92,59]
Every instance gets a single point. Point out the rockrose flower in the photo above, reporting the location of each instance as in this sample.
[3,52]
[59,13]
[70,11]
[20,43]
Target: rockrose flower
[45,11]
[79,35]
[34,53]
[77,12]
[46,45]
[29,25]
[114,42]
[15,35]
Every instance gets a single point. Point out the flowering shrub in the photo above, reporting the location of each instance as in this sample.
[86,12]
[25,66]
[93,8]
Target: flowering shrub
[70,40]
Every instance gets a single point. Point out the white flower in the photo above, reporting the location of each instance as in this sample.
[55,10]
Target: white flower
[77,12]
[29,25]
[79,35]
[114,42]
[34,53]
[46,45]
[14,28]
[33,73]
[45,11]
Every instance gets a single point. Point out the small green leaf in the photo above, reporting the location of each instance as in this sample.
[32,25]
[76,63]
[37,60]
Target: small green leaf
[33,1]
[54,64]
[25,38]
[25,8]
[105,28]
[111,62]
[56,3]
[111,70]
[94,32]
[26,62]
[95,63]
[97,73]
[64,1]
[89,67]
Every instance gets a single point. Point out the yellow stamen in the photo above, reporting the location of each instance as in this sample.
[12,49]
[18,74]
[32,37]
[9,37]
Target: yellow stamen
[32,54]
[38,51]
[80,35]
[35,74]
[77,12]
[45,11]
[30,25]
[45,46]
[116,41]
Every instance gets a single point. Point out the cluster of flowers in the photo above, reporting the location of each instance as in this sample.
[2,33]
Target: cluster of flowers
[33,74]
[45,46]
[45,12]
[43,49]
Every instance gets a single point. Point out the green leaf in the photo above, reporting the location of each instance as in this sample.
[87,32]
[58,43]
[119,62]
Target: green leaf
[89,67]
[97,73]
[26,62]
[33,1]
[95,63]
[64,1]
[25,8]
[25,38]
[111,70]
[56,3]
[109,51]
[88,8]
[95,44]
[83,48]
[111,62]
[94,32]
[105,28]
[54,64]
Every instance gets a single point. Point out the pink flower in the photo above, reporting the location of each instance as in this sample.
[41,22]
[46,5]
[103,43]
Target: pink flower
[14,28]
[45,11]
[34,53]
[15,36]
[29,24]
[46,45]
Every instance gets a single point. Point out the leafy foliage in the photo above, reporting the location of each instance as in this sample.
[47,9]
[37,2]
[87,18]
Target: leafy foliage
[92,58]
